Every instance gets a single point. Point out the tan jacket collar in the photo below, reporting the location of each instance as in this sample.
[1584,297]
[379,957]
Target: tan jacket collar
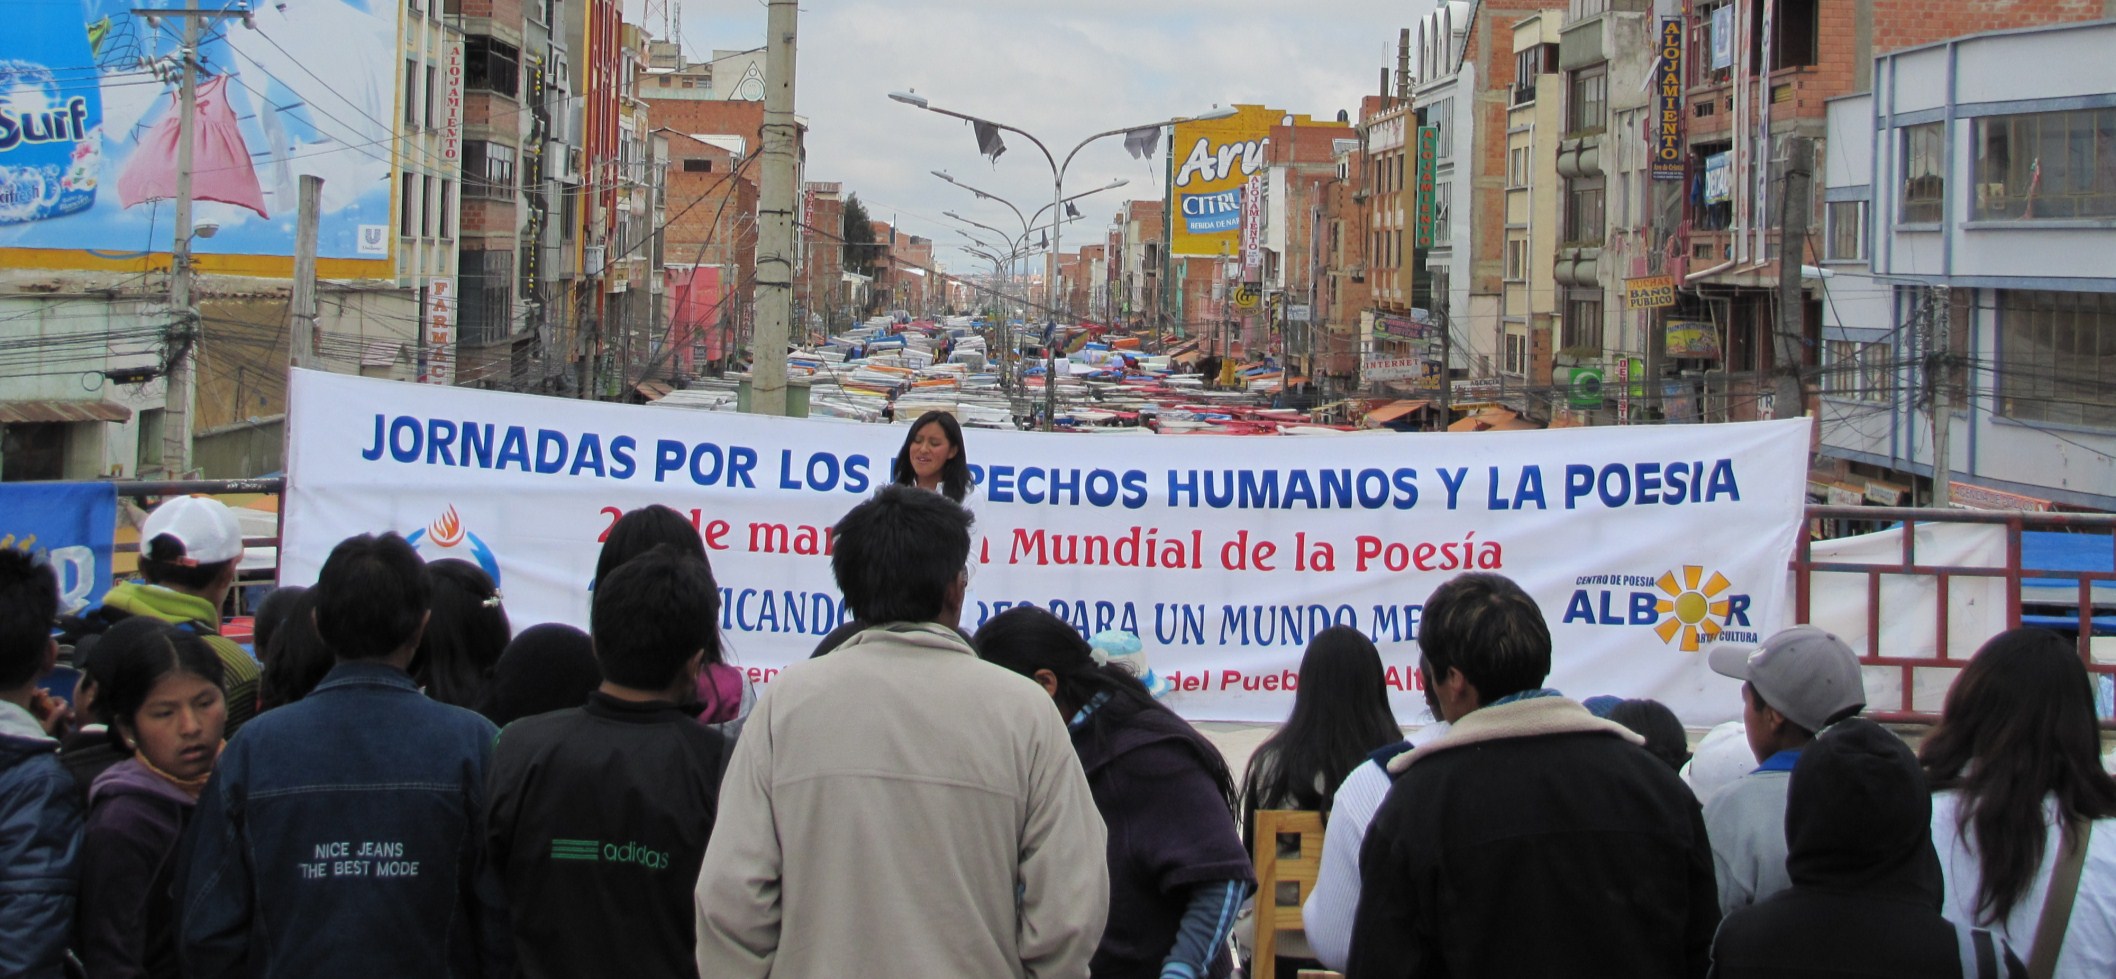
[1520,719]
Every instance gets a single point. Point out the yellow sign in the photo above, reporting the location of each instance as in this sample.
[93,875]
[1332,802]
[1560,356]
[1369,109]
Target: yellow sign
[1245,296]
[1649,292]
[1214,159]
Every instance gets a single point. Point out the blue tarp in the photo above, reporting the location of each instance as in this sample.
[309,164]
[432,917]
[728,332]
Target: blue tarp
[2049,550]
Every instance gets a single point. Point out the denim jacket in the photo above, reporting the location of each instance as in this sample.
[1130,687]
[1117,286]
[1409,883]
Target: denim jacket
[342,836]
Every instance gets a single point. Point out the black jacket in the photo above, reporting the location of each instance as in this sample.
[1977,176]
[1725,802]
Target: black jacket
[599,819]
[1535,839]
[1866,891]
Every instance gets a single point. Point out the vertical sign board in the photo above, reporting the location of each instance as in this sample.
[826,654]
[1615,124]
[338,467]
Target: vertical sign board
[439,332]
[1428,158]
[1253,228]
[1623,391]
[452,105]
[1667,137]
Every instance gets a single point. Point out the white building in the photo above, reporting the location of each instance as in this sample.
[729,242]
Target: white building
[1969,229]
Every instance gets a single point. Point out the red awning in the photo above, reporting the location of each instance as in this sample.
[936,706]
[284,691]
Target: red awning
[31,412]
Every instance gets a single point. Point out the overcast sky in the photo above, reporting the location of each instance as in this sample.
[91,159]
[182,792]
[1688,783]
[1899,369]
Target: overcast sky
[1061,69]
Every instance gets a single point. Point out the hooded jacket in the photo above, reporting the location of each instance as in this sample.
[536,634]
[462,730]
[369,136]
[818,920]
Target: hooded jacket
[1865,899]
[127,925]
[40,844]
[1535,839]
[238,669]
[1169,831]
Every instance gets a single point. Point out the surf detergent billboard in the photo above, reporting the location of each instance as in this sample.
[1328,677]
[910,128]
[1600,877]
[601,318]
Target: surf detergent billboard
[89,129]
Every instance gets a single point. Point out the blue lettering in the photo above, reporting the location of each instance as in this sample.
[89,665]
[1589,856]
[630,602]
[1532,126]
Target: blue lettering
[622,465]
[397,449]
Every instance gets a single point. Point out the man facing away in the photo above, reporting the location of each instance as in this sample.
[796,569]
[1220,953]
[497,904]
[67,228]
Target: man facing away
[600,813]
[1798,682]
[40,804]
[190,548]
[901,808]
[1534,839]
[342,835]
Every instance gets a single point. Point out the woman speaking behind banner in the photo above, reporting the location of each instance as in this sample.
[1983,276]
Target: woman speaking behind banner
[933,457]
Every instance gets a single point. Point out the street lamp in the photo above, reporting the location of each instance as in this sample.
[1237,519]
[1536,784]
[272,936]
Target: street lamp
[1058,170]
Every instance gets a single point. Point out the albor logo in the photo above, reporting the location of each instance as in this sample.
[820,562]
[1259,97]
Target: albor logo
[447,537]
[1685,607]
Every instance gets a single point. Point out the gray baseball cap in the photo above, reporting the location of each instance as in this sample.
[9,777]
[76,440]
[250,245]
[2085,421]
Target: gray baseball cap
[1805,672]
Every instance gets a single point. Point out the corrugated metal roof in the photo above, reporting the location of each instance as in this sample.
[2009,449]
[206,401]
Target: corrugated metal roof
[32,412]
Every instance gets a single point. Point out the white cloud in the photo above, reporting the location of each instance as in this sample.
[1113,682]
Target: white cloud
[1062,70]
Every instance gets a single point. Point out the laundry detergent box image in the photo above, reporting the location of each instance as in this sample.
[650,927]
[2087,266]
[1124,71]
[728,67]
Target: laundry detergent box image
[51,115]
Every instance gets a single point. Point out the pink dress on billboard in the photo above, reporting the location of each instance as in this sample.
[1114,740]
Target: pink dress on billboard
[220,162]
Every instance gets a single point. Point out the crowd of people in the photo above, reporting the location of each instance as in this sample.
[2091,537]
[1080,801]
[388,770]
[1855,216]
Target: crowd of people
[417,790]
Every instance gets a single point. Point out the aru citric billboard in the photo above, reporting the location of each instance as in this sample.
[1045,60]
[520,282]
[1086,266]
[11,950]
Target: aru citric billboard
[1213,161]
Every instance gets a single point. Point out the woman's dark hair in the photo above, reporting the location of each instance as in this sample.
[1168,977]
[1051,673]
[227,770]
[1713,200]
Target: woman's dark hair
[1340,714]
[641,530]
[548,667]
[271,614]
[140,651]
[296,660]
[1026,639]
[2017,725]
[1664,734]
[954,474]
[464,638]
[372,594]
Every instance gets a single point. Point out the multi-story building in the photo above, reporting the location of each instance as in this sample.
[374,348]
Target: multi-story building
[1141,265]
[728,76]
[1969,208]
[823,292]
[491,329]
[709,242]
[1302,163]
[1528,294]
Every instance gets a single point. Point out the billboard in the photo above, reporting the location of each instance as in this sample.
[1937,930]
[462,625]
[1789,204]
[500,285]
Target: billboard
[88,90]
[1214,159]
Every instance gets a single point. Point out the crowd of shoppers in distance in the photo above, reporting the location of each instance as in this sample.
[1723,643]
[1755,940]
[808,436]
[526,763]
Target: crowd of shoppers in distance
[418,794]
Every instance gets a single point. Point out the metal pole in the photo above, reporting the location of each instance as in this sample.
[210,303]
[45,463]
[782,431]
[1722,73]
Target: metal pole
[177,386]
[777,200]
[301,347]
[1050,299]
[1938,367]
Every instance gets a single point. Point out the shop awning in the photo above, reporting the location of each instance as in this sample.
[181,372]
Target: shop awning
[34,412]
[1392,411]
[1493,420]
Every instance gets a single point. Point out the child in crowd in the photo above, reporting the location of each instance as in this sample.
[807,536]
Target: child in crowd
[40,804]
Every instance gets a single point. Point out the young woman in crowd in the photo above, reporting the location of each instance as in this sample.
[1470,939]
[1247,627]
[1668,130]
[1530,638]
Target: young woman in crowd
[1177,869]
[548,667]
[933,457]
[2015,768]
[465,635]
[295,659]
[1663,731]
[725,693]
[1340,714]
[164,706]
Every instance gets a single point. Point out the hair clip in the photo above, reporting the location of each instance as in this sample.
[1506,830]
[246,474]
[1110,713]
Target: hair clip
[493,602]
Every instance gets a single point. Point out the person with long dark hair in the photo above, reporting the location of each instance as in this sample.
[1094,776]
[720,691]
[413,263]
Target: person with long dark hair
[725,695]
[295,660]
[933,457]
[1340,715]
[1177,868]
[164,705]
[465,636]
[2015,769]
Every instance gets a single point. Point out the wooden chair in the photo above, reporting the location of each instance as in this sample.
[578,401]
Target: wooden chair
[1289,846]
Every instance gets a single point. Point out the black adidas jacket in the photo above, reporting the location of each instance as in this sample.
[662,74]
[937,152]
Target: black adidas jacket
[598,820]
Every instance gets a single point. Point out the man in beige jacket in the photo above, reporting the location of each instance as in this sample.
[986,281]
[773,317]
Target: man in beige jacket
[900,808]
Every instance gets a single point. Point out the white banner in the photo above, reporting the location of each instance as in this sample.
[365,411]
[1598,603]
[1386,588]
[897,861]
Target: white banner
[1643,545]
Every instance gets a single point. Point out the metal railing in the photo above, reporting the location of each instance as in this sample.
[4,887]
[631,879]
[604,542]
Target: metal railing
[141,489]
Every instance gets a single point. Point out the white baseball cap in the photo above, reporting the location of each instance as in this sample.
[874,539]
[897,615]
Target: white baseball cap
[206,529]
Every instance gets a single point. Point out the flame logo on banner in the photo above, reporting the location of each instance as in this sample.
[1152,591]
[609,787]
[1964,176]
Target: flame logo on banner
[448,533]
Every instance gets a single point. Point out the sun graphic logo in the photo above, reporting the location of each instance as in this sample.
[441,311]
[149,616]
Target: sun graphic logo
[1686,607]
[447,537]
[1690,606]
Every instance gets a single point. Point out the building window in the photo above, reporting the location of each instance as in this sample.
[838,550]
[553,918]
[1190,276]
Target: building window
[411,92]
[1587,100]
[431,197]
[1846,222]
[1583,322]
[448,208]
[1857,371]
[697,166]
[1797,33]
[1541,59]
[1443,198]
[1441,116]
[408,204]
[2057,357]
[1516,353]
[491,65]
[1517,160]
[433,96]
[488,169]
[485,312]
[1924,162]
[1516,259]
[149,457]
[2046,165]
[1584,216]
[34,451]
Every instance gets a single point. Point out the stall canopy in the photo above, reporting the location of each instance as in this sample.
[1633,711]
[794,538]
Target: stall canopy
[1394,410]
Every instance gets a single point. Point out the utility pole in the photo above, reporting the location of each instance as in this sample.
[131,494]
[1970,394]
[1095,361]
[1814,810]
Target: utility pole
[301,344]
[775,240]
[1938,368]
[1789,400]
[177,384]
[1447,354]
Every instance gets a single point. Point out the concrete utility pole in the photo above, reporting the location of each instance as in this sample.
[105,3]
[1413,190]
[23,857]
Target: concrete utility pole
[1938,361]
[301,345]
[1789,399]
[775,239]
[177,384]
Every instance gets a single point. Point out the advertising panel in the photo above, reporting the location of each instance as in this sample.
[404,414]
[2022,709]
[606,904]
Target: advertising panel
[67,526]
[1214,160]
[1642,546]
[1428,160]
[437,349]
[89,119]
[1667,137]
[1649,292]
